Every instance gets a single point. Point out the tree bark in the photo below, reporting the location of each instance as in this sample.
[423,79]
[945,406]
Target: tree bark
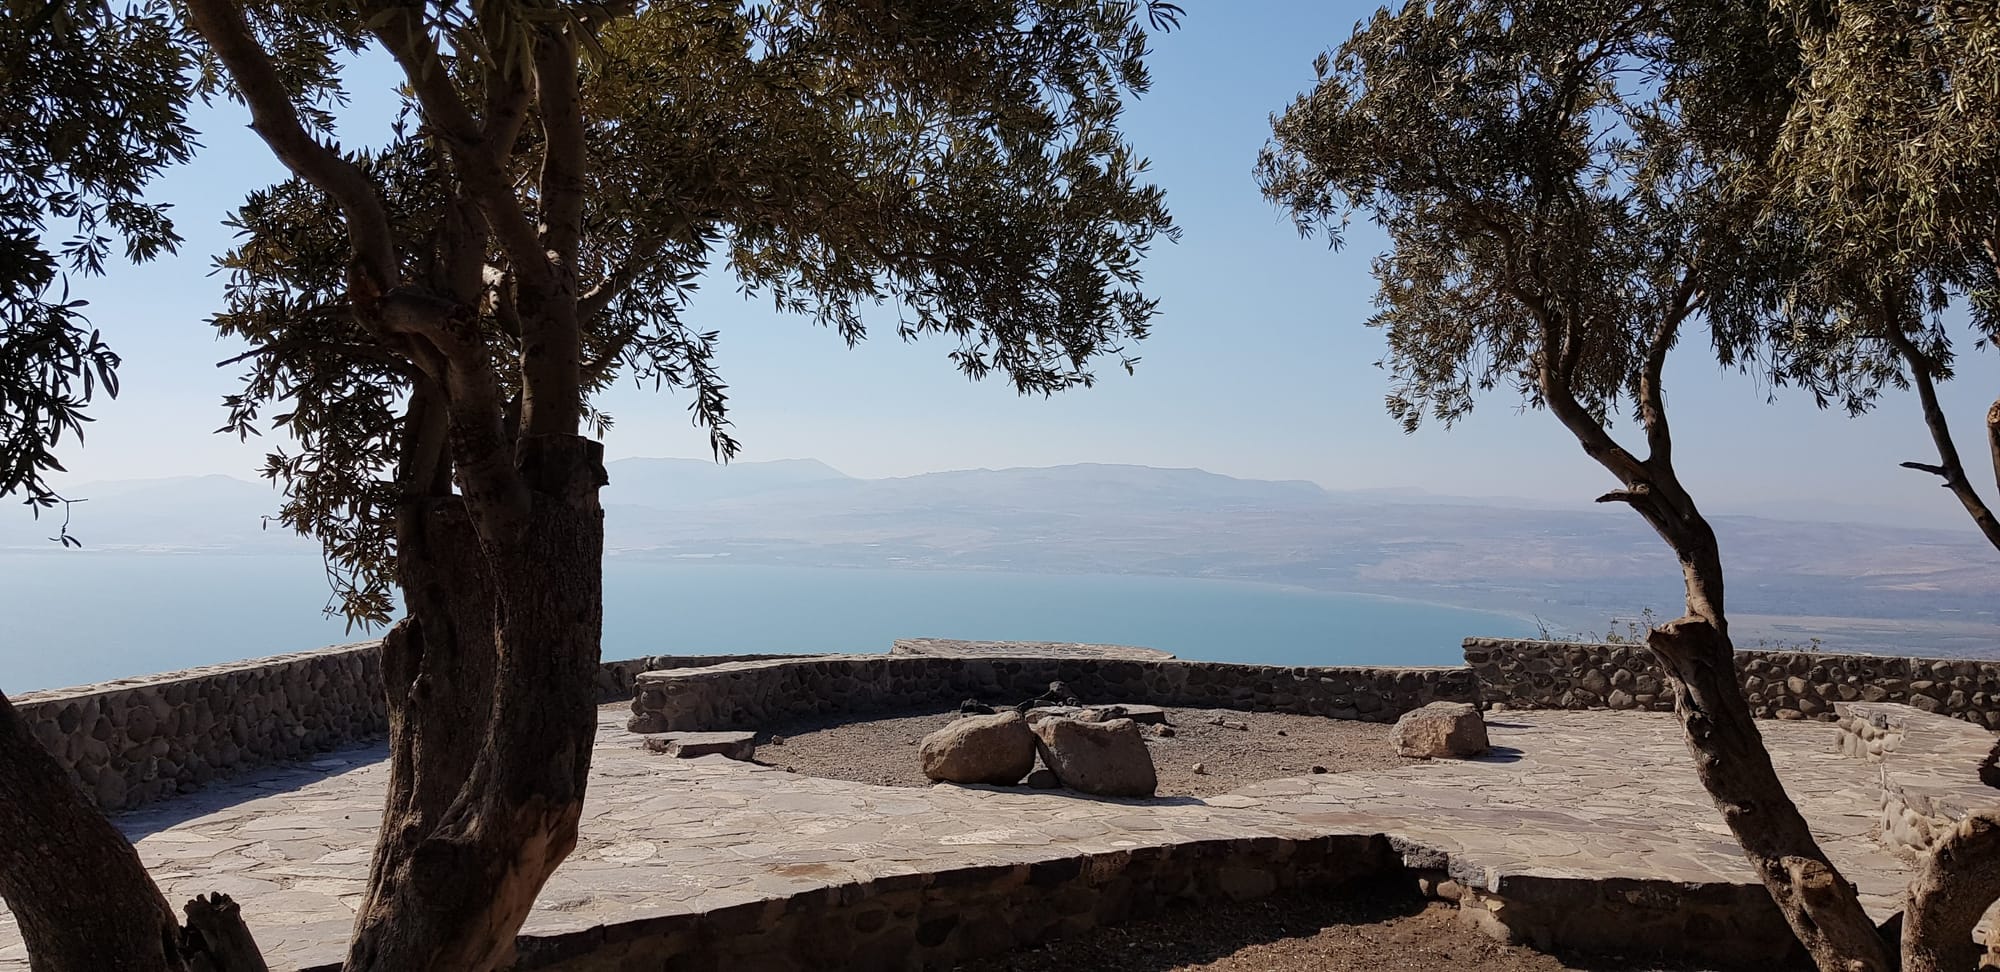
[1821,907]
[1735,769]
[84,901]
[1959,881]
[493,700]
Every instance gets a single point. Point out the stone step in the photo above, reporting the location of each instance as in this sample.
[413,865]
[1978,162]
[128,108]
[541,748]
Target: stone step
[688,745]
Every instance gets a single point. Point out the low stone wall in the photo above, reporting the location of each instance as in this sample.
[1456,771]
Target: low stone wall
[140,739]
[1927,763]
[615,678]
[136,740]
[1779,684]
[960,648]
[754,695]
[935,920]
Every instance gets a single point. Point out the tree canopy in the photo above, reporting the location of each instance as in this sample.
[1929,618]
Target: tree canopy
[951,169]
[92,105]
[1557,187]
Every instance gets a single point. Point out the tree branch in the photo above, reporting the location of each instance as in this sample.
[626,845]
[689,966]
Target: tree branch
[276,120]
[1652,398]
[1949,466]
[480,165]
[551,334]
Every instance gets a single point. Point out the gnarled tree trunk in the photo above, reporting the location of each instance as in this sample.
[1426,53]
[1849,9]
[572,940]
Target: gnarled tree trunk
[1959,881]
[492,682]
[1821,907]
[1736,770]
[76,886]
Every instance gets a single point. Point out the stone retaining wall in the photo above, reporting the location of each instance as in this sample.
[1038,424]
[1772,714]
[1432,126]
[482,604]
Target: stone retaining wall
[1779,684]
[139,739]
[918,921]
[1925,760]
[754,695]
[136,740]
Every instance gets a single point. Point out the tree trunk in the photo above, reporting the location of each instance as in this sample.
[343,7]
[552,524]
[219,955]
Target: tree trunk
[75,884]
[1735,769]
[1959,881]
[493,718]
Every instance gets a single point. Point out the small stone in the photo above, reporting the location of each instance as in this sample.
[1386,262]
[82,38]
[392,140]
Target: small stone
[1036,715]
[777,740]
[1164,732]
[1201,769]
[1282,732]
[1142,714]
[1229,724]
[1318,769]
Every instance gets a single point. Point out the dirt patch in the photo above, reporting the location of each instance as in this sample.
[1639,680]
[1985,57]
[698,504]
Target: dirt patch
[883,750]
[1345,931]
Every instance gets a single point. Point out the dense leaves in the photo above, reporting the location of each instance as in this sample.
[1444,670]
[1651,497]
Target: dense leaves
[945,168]
[92,104]
[1549,196]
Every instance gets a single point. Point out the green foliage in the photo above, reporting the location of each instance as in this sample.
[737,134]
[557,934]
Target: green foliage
[1546,199]
[92,104]
[1889,162]
[955,168]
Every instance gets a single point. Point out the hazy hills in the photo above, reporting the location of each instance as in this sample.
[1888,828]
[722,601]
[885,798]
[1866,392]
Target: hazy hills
[1855,585]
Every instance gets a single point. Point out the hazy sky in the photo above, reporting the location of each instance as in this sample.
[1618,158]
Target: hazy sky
[1260,365]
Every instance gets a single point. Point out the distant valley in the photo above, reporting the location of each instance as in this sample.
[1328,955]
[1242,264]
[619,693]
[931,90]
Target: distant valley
[1853,586]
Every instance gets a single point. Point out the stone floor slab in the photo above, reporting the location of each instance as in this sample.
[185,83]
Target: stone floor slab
[1563,795]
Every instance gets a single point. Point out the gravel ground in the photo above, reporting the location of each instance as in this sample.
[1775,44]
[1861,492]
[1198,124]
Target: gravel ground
[883,750]
[1344,932]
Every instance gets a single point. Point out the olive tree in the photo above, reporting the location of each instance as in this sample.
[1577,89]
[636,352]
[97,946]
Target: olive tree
[431,319]
[1558,224]
[1884,157]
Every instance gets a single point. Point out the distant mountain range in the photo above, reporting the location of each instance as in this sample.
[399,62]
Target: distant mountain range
[1855,586]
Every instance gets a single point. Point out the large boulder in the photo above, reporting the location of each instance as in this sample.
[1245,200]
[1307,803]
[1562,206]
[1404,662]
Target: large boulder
[1105,758]
[1452,729]
[980,749]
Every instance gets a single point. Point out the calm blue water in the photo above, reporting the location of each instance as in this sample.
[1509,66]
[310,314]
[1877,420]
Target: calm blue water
[83,616]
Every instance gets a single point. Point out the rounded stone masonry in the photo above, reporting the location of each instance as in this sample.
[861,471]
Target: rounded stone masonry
[753,695]
[136,740]
[132,741]
[1778,684]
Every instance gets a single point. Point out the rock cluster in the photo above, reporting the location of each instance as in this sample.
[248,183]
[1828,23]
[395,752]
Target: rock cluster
[1078,750]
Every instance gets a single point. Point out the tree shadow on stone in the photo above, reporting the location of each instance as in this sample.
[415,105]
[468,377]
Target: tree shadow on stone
[1380,923]
[253,784]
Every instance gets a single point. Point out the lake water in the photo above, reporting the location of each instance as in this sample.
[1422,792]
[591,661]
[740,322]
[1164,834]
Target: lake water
[74,617]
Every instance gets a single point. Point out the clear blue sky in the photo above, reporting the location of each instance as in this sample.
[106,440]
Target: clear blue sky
[1260,365]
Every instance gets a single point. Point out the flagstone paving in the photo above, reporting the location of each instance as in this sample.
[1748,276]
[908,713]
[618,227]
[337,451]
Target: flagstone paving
[1566,794]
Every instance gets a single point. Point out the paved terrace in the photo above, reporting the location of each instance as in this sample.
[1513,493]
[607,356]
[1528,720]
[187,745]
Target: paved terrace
[1568,796]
